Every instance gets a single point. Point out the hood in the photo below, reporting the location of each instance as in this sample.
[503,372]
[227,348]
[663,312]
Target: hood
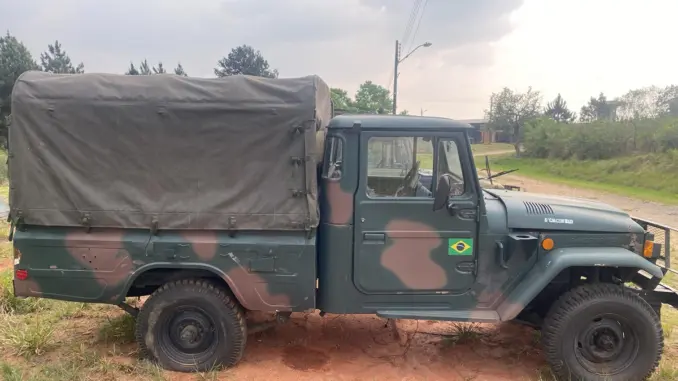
[546,212]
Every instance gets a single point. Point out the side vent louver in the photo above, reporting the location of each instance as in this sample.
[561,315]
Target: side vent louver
[537,208]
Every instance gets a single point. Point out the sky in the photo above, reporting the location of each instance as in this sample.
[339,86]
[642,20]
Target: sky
[574,47]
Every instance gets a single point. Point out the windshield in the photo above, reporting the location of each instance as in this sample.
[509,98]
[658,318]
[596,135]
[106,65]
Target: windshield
[449,157]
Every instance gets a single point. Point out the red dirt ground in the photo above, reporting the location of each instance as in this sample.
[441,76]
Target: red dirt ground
[343,347]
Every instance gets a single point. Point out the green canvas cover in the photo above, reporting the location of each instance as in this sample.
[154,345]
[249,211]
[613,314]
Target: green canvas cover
[108,150]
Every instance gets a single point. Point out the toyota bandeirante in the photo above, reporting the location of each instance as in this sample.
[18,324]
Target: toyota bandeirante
[222,196]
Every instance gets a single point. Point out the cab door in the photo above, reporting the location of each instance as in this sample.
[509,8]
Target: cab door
[401,245]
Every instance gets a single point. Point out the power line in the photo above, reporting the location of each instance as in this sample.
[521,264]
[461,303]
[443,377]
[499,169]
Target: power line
[416,30]
[411,20]
[408,29]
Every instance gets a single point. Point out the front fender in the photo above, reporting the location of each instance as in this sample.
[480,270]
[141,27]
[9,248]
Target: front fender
[558,260]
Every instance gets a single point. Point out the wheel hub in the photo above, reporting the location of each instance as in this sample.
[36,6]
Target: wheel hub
[189,334]
[191,331]
[603,341]
[606,342]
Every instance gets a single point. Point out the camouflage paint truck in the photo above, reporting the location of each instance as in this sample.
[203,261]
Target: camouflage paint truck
[216,197]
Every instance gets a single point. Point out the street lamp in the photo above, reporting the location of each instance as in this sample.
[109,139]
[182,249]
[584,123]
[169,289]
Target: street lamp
[398,60]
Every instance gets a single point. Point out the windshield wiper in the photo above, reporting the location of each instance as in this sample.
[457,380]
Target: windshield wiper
[502,173]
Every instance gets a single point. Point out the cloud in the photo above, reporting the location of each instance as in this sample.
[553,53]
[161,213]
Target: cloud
[344,41]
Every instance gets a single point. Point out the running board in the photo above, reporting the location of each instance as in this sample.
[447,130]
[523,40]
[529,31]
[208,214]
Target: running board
[480,316]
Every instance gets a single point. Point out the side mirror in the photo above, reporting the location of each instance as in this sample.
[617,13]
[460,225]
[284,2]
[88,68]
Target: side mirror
[442,192]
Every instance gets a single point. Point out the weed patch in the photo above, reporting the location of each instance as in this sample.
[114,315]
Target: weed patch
[25,336]
[464,333]
[10,373]
[118,330]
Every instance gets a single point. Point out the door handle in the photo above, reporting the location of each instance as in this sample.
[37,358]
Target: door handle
[374,237]
[502,258]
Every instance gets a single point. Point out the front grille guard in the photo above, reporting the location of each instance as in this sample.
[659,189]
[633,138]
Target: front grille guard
[653,289]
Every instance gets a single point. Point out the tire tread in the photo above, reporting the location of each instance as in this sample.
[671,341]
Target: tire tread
[562,310]
[236,316]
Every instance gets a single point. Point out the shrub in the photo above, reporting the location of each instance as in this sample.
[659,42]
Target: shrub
[545,138]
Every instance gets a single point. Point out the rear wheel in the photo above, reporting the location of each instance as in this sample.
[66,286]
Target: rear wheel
[191,325]
[601,332]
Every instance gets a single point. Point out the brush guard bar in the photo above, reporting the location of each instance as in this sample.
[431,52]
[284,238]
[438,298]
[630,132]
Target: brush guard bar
[653,290]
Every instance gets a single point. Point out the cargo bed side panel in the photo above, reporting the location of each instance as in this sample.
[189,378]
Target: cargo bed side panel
[267,271]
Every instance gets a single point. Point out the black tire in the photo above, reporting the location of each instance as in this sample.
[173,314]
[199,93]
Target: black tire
[602,332]
[191,313]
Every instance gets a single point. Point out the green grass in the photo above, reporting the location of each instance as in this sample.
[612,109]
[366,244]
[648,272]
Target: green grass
[480,149]
[668,369]
[649,177]
[26,337]
[425,160]
[43,339]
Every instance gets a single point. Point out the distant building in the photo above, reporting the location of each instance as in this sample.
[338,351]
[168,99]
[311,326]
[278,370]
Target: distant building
[481,134]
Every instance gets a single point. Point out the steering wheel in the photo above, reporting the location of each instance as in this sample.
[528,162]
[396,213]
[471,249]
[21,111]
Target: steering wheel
[410,182]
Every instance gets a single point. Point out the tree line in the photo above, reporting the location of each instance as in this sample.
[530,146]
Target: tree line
[15,58]
[512,111]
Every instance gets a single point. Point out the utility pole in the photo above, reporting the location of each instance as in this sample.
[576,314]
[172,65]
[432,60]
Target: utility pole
[395,77]
[397,61]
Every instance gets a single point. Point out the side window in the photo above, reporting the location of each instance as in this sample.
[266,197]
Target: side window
[333,158]
[449,162]
[399,166]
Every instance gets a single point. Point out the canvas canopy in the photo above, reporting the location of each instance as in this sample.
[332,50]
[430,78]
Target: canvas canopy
[106,150]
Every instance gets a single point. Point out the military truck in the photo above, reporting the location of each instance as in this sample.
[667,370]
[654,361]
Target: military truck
[217,197]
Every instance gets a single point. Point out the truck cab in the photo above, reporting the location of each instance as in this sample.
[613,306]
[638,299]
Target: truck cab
[382,246]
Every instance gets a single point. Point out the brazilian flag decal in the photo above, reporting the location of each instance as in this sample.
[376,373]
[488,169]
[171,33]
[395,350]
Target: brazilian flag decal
[460,246]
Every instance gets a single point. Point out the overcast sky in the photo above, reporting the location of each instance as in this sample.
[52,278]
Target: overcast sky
[574,47]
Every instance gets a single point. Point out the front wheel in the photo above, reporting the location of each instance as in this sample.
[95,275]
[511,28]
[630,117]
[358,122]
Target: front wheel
[602,332]
[191,326]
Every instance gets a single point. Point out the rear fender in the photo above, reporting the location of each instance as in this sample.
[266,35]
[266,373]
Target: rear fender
[247,289]
[169,266]
[558,260]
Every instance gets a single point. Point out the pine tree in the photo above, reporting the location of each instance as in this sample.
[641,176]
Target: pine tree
[55,60]
[558,111]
